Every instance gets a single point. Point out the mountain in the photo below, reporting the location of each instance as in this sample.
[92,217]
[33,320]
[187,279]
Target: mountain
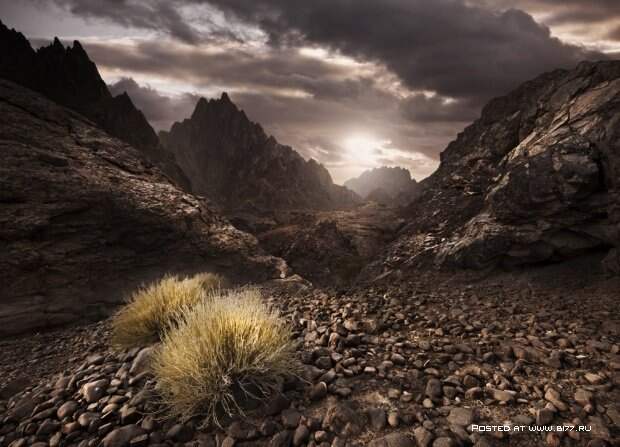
[67,76]
[535,179]
[384,184]
[84,219]
[231,160]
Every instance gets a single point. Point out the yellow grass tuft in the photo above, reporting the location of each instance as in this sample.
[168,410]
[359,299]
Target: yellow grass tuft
[225,351]
[152,310]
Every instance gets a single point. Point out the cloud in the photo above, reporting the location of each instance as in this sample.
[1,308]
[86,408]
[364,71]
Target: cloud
[444,46]
[156,15]
[160,110]
[424,109]
[413,72]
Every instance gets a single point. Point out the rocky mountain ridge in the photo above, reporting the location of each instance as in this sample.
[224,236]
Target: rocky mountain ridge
[85,219]
[385,185]
[68,77]
[231,160]
[534,180]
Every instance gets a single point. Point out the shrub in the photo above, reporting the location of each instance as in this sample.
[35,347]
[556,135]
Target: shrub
[227,351]
[152,310]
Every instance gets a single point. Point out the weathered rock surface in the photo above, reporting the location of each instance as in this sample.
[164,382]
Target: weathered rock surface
[328,247]
[83,218]
[234,162]
[535,179]
[68,77]
[385,185]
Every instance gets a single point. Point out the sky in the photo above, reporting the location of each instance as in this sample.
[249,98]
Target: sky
[355,84]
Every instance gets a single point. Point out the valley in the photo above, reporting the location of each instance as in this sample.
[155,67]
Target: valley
[413,311]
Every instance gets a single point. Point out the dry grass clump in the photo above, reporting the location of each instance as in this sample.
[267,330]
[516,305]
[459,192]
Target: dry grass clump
[228,350]
[152,309]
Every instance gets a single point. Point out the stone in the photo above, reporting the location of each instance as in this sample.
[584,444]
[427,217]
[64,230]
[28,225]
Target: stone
[553,396]
[444,442]
[423,437]
[342,417]
[461,416]
[290,418]
[544,416]
[47,427]
[281,439]
[378,419]
[141,362]
[583,397]
[393,419]
[93,391]
[180,433]
[301,435]
[393,440]
[318,391]
[503,395]
[120,437]
[85,419]
[594,379]
[433,388]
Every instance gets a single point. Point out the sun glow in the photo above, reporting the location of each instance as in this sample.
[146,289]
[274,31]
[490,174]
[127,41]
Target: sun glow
[363,149]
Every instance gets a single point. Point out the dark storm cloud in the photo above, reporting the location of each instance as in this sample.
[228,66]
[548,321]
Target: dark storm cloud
[574,11]
[440,45]
[159,109]
[591,16]
[285,69]
[423,109]
[157,15]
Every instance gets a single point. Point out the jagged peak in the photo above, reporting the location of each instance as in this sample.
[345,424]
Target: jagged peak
[204,106]
[77,47]
[57,43]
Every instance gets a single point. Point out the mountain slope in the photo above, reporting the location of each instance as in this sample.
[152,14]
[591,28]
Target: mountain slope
[231,160]
[535,179]
[67,76]
[84,219]
[384,184]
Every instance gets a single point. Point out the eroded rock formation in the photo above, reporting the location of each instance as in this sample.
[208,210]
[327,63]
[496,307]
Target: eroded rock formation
[535,179]
[384,185]
[233,161]
[84,219]
[68,77]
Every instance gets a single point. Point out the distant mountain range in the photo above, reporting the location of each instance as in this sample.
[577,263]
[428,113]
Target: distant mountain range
[384,185]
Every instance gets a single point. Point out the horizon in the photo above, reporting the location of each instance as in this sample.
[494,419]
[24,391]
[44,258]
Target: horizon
[338,99]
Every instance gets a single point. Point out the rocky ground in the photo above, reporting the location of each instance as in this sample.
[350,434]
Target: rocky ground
[325,247]
[397,363]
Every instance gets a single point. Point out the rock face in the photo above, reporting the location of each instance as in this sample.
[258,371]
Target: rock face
[535,179]
[68,77]
[231,160]
[83,219]
[327,247]
[384,184]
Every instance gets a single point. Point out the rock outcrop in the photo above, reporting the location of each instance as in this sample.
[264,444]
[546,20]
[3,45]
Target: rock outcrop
[83,219]
[326,247]
[233,161]
[68,77]
[385,185]
[535,179]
